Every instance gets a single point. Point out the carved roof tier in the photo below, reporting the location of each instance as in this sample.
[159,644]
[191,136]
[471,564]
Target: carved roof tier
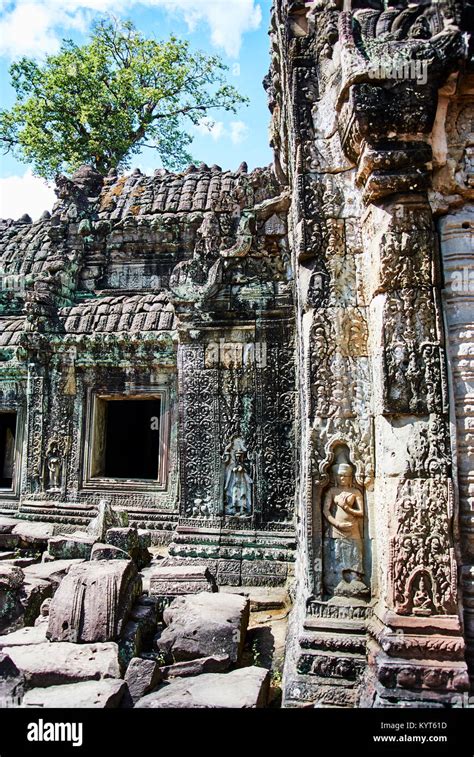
[11,330]
[194,190]
[102,261]
[123,202]
[24,247]
[136,313]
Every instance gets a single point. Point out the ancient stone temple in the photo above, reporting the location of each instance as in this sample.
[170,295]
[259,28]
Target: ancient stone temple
[271,373]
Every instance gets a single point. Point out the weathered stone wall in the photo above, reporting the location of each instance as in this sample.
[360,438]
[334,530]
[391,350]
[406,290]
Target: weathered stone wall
[177,286]
[354,97]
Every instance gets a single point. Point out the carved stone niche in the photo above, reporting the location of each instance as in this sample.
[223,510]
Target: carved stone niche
[341,544]
[421,600]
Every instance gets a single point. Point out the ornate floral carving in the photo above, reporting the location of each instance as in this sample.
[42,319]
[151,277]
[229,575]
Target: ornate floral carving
[413,358]
[422,561]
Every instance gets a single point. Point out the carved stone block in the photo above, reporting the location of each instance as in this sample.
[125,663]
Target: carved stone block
[185,579]
[93,601]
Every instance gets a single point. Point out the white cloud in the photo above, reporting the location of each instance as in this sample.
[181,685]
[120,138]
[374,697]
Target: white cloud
[24,194]
[34,27]
[208,127]
[20,36]
[238,132]
[228,20]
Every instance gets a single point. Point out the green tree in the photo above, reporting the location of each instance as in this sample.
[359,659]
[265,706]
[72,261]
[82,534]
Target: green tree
[101,102]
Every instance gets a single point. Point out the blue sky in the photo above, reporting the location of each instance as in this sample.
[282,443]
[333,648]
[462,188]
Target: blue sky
[235,29]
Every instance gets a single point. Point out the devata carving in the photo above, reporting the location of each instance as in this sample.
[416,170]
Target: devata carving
[343,510]
[53,472]
[238,485]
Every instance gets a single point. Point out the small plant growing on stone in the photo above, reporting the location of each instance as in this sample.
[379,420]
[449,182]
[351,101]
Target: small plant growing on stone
[256,655]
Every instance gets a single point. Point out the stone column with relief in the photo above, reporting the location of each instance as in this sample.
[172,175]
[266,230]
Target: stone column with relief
[354,95]
[415,643]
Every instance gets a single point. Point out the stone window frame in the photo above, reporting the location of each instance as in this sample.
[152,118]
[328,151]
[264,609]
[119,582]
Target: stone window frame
[13,492]
[105,483]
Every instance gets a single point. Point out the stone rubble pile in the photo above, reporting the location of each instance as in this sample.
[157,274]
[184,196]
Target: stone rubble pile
[78,630]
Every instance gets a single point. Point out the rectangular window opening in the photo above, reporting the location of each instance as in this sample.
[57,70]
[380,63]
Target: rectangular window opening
[7,449]
[127,439]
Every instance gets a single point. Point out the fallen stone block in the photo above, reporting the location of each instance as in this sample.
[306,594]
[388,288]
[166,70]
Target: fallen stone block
[108,552]
[144,537]
[7,524]
[106,694]
[24,636]
[203,625]
[142,676]
[215,664]
[50,664]
[33,593]
[11,576]
[12,682]
[262,597]
[145,557]
[11,608]
[123,538]
[129,540]
[174,580]
[130,643]
[43,617]
[144,612]
[93,601]
[9,556]
[244,688]
[71,547]
[23,562]
[9,541]
[53,572]
[21,597]
[33,535]
[107,517]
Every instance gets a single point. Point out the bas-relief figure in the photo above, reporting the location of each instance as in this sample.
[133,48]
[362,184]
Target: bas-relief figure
[53,468]
[343,511]
[422,601]
[238,485]
[238,488]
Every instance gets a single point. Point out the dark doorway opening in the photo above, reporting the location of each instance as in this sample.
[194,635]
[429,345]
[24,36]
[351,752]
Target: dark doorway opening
[7,449]
[132,439]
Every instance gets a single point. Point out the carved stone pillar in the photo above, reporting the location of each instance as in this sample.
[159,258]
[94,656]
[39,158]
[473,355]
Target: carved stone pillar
[457,247]
[416,650]
[363,85]
[236,399]
[415,644]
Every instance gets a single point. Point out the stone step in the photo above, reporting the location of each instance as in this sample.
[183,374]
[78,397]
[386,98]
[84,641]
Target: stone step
[261,598]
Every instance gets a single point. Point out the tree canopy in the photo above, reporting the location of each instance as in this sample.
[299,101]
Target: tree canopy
[101,102]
